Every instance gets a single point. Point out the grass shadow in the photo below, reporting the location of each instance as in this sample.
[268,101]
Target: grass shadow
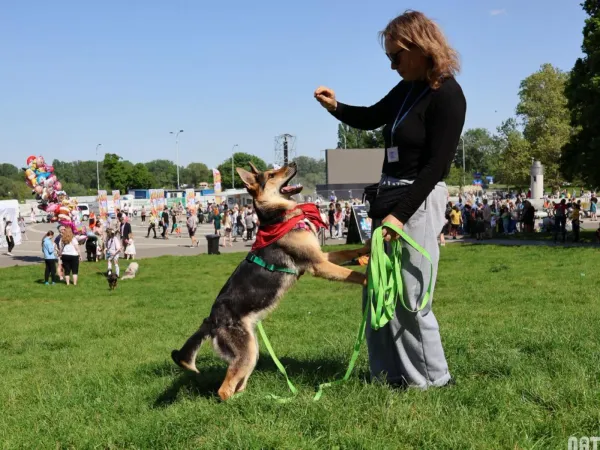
[206,384]
[28,259]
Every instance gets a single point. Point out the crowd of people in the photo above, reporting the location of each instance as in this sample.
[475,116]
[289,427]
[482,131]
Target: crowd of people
[481,218]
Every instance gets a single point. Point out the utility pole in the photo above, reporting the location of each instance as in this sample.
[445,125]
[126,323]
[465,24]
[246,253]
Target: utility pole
[463,152]
[177,153]
[97,167]
[232,164]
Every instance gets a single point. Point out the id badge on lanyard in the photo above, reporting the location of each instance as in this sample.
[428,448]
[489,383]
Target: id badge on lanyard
[393,155]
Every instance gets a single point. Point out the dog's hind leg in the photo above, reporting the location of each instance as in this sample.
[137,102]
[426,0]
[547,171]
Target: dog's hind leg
[242,344]
[186,356]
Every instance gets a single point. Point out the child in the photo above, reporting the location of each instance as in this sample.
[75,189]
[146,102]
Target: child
[130,248]
[91,248]
[22,227]
[99,246]
[575,221]
[479,225]
[113,249]
[49,257]
[10,240]
[455,221]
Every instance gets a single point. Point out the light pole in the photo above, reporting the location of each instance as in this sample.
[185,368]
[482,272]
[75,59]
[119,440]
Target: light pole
[97,169]
[463,152]
[232,175]
[177,152]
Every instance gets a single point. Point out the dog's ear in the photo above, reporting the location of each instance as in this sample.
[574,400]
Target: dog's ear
[255,171]
[248,179]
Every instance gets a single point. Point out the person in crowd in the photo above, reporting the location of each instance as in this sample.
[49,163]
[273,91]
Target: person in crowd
[48,250]
[69,255]
[113,250]
[10,239]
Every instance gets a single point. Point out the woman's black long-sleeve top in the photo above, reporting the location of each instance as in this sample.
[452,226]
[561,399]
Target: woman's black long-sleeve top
[427,138]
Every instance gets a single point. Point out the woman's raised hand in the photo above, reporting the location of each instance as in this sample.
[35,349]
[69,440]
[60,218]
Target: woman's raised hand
[326,97]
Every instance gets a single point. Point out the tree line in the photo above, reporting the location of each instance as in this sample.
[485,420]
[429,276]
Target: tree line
[79,178]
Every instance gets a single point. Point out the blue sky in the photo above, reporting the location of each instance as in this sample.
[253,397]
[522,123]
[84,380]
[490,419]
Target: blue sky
[125,73]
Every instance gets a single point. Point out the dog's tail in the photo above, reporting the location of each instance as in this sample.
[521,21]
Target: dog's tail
[186,356]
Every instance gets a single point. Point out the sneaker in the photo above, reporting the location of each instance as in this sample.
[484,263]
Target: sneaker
[46,283]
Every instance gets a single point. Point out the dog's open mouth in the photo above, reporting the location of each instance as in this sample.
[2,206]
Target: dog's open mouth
[286,189]
[291,190]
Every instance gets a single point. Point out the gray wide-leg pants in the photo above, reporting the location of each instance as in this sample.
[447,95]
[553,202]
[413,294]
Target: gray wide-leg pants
[408,349]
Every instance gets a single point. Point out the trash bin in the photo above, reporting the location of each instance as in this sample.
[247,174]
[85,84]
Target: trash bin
[213,244]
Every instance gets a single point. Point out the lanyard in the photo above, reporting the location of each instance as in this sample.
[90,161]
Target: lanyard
[399,119]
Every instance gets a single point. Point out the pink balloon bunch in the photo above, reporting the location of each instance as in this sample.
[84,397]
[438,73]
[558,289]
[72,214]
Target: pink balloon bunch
[48,191]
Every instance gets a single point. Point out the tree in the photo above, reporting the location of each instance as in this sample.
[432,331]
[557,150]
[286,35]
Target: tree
[311,172]
[515,150]
[481,152]
[196,173]
[13,188]
[164,173]
[545,115]
[82,173]
[582,153]
[240,160]
[117,175]
[349,137]
[455,177]
[140,177]
[10,171]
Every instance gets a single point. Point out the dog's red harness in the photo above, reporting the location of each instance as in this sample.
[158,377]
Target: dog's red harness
[267,234]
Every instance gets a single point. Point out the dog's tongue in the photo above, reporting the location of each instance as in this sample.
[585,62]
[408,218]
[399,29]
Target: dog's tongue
[289,189]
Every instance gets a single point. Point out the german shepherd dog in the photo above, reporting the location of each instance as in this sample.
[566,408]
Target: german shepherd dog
[253,291]
[112,280]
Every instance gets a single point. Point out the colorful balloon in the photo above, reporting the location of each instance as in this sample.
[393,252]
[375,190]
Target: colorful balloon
[40,177]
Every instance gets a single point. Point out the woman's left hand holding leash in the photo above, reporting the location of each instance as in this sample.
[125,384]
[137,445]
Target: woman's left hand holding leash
[389,234]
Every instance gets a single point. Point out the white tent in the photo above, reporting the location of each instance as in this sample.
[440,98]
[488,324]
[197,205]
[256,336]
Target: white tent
[9,211]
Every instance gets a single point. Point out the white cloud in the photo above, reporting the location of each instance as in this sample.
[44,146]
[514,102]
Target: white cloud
[497,12]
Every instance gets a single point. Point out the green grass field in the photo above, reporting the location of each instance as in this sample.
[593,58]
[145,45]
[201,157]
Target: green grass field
[586,236]
[82,367]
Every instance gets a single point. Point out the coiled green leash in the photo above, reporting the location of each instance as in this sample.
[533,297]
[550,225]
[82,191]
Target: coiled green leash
[384,287]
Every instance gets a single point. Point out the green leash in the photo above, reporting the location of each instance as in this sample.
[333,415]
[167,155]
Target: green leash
[384,287]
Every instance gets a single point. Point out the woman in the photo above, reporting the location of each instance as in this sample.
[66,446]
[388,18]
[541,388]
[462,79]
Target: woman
[49,257]
[69,255]
[423,116]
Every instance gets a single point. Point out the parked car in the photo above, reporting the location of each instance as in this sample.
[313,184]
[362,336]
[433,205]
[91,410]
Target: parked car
[84,209]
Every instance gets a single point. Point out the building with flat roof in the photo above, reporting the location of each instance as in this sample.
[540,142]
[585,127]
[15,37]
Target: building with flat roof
[348,171]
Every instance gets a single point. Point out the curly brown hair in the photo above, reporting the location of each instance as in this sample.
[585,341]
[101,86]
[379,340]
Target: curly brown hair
[414,29]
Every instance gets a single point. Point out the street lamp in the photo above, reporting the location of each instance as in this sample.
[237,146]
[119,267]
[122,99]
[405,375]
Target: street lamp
[97,169]
[177,152]
[232,175]
[463,152]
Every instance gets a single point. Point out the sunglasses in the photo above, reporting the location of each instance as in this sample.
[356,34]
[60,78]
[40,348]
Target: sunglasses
[394,56]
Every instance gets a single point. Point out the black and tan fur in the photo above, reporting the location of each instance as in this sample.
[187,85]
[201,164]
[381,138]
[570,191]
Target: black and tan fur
[253,291]
[112,280]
